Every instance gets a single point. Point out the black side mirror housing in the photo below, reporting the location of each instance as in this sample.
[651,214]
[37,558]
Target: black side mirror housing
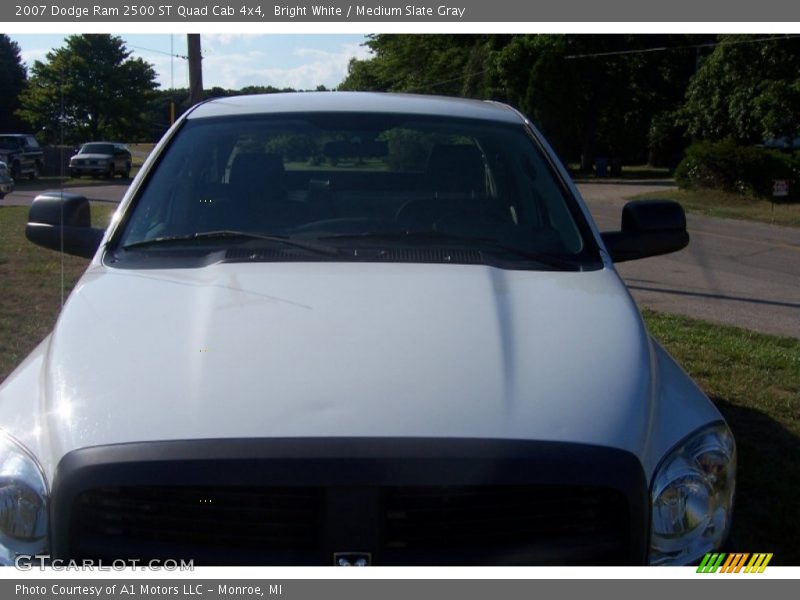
[649,228]
[60,220]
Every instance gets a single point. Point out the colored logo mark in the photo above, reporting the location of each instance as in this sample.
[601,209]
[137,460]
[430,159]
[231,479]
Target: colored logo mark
[734,563]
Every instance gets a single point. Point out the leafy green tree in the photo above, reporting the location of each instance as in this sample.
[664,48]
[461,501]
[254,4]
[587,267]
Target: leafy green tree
[447,64]
[93,88]
[596,94]
[589,93]
[12,81]
[362,76]
[744,90]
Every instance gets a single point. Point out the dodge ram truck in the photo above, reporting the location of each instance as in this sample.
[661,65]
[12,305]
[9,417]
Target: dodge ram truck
[358,329]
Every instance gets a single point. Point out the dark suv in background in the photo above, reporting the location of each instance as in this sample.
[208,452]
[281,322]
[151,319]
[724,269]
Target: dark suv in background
[22,153]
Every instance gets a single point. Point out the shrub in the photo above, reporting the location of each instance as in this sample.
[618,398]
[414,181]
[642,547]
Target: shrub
[725,165]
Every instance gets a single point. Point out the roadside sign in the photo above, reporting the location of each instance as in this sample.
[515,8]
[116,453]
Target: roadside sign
[780,188]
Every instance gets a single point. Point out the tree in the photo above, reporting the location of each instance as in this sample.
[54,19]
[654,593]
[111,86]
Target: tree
[456,65]
[12,81]
[93,88]
[589,93]
[596,94]
[745,90]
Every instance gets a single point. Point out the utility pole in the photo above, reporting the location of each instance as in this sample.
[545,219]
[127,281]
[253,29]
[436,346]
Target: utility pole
[195,69]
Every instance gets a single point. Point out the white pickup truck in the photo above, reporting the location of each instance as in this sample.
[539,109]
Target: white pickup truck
[368,329]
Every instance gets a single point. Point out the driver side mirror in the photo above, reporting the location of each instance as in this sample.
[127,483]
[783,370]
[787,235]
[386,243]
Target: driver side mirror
[62,221]
[649,228]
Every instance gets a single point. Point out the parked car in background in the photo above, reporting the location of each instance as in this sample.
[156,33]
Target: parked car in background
[101,159]
[353,329]
[785,143]
[6,181]
[22,153]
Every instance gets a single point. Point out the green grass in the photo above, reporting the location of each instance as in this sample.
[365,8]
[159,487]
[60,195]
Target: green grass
[628,172]
[31,279]
[754,380]
[715,203]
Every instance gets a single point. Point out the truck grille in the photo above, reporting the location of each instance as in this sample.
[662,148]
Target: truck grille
[399,501]
[417,525]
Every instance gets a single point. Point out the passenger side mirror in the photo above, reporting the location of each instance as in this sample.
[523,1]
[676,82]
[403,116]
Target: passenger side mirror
[60,220]
[649,228]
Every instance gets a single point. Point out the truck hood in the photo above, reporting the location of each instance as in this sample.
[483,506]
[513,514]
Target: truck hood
[344,349]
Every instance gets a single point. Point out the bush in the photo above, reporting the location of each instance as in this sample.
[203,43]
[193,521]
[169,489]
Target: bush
[748,170]
[666,141]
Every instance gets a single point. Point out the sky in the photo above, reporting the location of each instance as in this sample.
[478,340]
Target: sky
[232,61]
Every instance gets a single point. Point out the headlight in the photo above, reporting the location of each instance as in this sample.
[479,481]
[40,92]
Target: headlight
[692,496]
[23,502]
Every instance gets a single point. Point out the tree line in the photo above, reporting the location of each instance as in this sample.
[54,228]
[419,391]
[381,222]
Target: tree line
[639,98]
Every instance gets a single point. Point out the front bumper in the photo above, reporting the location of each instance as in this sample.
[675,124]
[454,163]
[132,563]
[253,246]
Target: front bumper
[89,169]
[6,186]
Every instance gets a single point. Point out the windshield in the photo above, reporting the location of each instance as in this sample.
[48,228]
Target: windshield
[355,181]
[97,149]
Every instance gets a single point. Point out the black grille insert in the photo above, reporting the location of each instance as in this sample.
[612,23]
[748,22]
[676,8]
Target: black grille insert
[299,501]
[185,518]
[420,525]
[537,524]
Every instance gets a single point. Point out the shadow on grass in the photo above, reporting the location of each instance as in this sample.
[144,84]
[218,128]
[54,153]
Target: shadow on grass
[767,511]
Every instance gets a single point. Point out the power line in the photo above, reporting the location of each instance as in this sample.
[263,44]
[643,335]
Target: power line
[184,57]
[446,81]
[685,47]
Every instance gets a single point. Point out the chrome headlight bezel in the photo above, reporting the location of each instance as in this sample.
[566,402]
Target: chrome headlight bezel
[691,497]
[24,501]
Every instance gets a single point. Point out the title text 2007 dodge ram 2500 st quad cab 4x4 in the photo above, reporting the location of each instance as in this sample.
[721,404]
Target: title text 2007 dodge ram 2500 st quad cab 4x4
[336,328]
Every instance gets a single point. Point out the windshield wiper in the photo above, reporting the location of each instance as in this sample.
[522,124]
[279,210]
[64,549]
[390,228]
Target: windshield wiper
[552,260]
[228,233]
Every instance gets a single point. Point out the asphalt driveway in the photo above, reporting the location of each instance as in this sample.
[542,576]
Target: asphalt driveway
[733,272]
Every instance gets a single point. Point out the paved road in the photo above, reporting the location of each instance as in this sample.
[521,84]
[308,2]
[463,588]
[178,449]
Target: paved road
[111,192]
[735,272]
